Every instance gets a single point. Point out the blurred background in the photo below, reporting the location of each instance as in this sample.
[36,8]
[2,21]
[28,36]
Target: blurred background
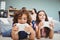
[8,7]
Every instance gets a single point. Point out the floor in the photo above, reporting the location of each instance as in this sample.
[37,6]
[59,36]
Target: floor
[56,37]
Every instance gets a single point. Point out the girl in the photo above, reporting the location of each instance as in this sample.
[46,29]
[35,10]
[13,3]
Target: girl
[45,31]
[33,13]
[22,17]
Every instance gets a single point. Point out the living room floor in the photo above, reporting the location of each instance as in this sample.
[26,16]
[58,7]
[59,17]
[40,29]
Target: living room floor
[56,37]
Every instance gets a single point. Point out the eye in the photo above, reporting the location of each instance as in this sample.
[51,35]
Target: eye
[25,18]
[43,14]
[40,15]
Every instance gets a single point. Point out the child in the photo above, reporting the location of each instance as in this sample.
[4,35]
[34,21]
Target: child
[33,13]
[40,22]
[22,17]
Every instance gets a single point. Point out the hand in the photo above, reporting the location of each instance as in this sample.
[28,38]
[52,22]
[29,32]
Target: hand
[26,29]
[51,24]
[40,24]
[15,28]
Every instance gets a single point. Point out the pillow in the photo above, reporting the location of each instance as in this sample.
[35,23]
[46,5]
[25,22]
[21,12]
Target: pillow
[4,20]
[5,27]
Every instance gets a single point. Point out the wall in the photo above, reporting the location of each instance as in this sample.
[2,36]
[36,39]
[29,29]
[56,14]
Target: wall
[50,6]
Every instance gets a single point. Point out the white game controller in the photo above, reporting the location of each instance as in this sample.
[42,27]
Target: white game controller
[46,24]
[22,26]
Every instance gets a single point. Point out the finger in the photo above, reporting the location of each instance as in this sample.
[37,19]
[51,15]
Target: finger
[15,28]
[14,25]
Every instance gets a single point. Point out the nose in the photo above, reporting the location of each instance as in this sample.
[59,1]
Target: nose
[42,16]
[22,20]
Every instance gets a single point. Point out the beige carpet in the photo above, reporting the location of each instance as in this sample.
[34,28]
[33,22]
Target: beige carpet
[56,37]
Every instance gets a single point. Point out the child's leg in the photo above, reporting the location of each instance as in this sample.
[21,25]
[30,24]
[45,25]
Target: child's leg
[14,35]
[51,34]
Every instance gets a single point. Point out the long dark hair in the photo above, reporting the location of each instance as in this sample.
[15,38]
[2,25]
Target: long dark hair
[19,13]
[35,10]
[37,18]
[46,29]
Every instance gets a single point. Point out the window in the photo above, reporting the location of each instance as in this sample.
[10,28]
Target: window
[3,4]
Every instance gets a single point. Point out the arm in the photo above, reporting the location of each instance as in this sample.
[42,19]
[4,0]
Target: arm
[51,24]
[51,34]
[38,35]
[32,33]
[14,35]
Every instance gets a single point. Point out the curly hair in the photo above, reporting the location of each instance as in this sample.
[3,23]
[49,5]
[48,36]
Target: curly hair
[19,13]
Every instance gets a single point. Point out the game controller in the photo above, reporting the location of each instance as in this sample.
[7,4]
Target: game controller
[21,27]
[46,24]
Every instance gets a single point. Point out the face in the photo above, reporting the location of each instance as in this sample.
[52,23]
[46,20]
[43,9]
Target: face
[41,16]
[33,11]
[22,19]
